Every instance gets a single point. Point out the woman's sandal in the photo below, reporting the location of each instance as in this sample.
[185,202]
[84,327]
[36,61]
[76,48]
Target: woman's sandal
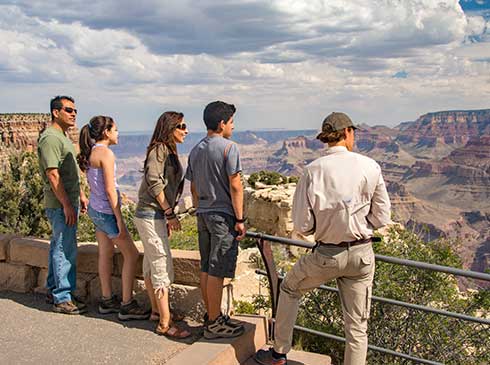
[176,317]
[172,331]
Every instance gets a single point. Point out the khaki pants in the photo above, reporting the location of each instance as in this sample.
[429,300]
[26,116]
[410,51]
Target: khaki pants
[353,268]
[157,261]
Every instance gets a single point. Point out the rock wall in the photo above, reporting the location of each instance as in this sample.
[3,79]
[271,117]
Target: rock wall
[268,208]
[447,127]
[24,261]
[19,132]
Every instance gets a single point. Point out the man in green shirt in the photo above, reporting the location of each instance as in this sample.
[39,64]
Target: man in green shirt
[62,199]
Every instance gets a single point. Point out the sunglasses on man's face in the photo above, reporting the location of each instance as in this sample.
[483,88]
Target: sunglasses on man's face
[69,110]
[181,126]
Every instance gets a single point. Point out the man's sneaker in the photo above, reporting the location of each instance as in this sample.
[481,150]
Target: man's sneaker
[266,357]
[221,328]
[67,308]
[78,302]
[111,305]
[132,310]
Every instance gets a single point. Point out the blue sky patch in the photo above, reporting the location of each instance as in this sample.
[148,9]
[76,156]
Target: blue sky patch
[400,75]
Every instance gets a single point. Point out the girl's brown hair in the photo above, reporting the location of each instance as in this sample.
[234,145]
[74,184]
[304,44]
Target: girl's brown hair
[89,135]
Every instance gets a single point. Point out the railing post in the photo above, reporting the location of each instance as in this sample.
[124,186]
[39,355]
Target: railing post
[265,250]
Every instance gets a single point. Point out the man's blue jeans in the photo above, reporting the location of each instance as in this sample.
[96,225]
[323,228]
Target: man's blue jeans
[62,261]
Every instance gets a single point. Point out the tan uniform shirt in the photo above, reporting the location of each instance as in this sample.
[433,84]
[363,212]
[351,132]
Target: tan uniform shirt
[341,197]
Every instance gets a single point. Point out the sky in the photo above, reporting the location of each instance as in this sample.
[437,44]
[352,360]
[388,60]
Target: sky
[283,63]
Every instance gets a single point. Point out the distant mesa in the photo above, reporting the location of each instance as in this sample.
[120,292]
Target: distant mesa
[448,128]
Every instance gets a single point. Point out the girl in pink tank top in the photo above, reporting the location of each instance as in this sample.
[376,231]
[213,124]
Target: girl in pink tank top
[99,163]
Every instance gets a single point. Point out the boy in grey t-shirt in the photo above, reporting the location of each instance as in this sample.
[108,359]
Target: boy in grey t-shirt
[214,171]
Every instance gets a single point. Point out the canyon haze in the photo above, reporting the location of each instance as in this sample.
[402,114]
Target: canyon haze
[437,170]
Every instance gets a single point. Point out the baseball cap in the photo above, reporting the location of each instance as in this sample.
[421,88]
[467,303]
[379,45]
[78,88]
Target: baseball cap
[336,122]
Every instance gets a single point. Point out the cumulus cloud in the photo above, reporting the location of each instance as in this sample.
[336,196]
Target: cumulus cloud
[265,54]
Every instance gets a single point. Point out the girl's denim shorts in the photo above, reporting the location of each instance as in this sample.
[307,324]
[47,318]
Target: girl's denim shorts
[104,222]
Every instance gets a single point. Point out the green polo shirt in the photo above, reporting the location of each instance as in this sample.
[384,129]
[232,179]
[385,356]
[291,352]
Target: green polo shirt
[55,150]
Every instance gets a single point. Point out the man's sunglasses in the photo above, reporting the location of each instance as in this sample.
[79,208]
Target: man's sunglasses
[181,126]
[69,110]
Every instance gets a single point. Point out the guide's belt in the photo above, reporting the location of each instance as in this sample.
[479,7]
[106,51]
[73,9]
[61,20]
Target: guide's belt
[347,244]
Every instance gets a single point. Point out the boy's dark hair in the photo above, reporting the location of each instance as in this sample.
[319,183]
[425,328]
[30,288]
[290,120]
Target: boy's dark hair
[216,112]
[56,103]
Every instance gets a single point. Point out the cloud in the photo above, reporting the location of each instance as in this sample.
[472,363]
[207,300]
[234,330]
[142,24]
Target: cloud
[401,75]
[265,55]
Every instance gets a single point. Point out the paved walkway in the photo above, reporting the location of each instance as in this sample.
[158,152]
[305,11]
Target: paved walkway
[30,333]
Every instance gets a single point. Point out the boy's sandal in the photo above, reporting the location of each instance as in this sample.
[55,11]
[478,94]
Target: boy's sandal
[172,331]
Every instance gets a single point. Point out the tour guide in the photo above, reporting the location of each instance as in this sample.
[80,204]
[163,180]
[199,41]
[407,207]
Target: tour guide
[341,198]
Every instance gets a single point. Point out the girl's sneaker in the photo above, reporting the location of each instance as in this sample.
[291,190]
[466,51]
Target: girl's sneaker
[132,310]
[110,305]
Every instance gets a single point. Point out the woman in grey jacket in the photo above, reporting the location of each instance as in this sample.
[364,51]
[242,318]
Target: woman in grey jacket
[158,195]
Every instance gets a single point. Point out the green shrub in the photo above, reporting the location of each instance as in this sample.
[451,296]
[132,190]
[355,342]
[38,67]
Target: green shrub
[21,194]
[186,238]
[270,178]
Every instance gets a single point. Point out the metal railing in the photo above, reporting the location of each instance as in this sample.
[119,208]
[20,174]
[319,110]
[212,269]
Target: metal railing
[480,329]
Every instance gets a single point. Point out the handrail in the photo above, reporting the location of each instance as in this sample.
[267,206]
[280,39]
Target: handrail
[389,259]
[419,307]
[263,242]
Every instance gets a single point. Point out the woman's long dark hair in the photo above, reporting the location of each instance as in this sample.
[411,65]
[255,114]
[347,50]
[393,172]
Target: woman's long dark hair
[163,135]
[89,135]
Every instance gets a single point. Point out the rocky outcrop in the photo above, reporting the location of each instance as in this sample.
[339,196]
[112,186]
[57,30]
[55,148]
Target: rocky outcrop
[19,132]
[475,153]
[448,128]
[369,138]
[269,209]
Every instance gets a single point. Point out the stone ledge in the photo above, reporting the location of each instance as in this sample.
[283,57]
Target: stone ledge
[34,252]
[4,245]
[118,261]
[17,278]
[301,358]
[87,258]
[187,267]
[29,251]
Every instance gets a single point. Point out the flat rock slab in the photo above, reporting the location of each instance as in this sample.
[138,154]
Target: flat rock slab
[226,351]
[32,334]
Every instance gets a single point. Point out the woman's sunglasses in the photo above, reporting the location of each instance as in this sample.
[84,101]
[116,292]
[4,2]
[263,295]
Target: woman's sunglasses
[181,126]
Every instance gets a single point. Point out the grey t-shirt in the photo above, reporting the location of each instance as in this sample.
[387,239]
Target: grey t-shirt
[211,162]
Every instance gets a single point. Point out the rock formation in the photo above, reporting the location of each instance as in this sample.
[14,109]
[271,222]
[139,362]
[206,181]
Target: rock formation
[19,132]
